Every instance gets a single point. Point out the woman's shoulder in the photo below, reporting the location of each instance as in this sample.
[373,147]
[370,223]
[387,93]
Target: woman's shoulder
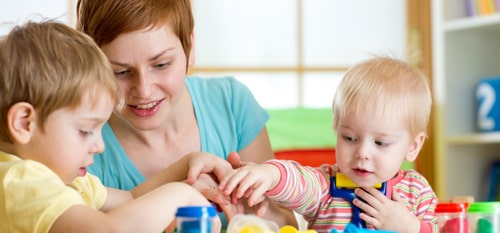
[223,82]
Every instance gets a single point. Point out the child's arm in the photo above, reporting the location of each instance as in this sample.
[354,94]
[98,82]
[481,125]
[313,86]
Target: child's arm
[152,212]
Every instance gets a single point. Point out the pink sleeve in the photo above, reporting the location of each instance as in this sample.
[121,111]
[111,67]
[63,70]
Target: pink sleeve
[283,177]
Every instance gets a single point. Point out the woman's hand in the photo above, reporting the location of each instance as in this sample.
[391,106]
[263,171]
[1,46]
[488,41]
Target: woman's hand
[206,163]
[207,185]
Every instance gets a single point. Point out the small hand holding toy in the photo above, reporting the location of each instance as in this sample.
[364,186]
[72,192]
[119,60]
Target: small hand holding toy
[341,186]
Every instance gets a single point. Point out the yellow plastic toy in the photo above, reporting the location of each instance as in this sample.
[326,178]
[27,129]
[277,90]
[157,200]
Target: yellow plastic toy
[291,229]
[253,224]
[249,223]
[342,181]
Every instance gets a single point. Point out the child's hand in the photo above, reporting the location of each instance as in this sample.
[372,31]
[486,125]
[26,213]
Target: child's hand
[250,181]
[385,214]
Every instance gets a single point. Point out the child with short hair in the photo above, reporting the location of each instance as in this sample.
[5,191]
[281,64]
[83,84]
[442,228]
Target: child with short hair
[57,91]
[381,110]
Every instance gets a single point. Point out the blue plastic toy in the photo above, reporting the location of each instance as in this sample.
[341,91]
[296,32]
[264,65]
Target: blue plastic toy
[351,228]
[347,193]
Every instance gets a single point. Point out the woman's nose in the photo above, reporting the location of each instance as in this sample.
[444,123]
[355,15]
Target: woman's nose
[143,85]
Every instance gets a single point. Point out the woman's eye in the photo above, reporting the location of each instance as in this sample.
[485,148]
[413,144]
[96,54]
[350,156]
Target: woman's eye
[162,65]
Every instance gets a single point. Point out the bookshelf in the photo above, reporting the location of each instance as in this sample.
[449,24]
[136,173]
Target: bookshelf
[465,49]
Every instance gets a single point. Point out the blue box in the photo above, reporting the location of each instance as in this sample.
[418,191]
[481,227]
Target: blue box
[488,104]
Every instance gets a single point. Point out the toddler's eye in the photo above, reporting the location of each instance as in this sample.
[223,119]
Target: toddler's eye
[381,143]
[349,138]
[85,133]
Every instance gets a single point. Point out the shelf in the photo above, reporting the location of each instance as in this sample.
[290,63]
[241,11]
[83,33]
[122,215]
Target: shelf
[485,22]
[476,138]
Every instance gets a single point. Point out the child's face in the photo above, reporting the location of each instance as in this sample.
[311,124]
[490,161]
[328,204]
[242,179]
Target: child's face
[150,67]
[71,138]
[370,151]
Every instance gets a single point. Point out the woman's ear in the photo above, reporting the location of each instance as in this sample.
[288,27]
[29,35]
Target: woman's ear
[21,120]
[415,147]
[191,52]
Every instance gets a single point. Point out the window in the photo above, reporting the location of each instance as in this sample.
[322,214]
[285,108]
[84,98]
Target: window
[289,53]
[294,53]
[18,12]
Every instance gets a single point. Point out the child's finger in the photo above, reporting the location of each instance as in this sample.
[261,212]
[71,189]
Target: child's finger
[395,195]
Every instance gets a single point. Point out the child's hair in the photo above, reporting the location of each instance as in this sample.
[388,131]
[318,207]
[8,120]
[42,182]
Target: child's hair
[383,86]
[105,20]
[51,66]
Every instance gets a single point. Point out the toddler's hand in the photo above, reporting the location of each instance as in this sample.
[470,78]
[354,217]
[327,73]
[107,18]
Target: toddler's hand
[383,213]
[250,181]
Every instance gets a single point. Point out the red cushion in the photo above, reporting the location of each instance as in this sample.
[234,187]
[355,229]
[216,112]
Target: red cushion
[308,157]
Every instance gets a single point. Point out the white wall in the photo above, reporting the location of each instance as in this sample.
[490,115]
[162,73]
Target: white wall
[336,33]
[263,33]
[18,11]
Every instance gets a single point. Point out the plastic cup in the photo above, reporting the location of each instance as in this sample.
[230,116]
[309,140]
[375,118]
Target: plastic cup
[452,217]
[484,217]
[195,219]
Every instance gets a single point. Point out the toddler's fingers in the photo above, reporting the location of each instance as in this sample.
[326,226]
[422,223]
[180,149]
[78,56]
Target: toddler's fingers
[230,182]
[395,195]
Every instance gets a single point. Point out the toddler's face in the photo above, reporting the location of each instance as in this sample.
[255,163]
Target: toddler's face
[371,150]
[70,138]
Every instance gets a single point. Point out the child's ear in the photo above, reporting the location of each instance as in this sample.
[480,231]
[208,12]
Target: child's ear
[21,122]
[415,147]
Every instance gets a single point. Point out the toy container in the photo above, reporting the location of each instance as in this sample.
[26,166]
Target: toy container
[249,223]
[484,217]
[452,217]
[195,219]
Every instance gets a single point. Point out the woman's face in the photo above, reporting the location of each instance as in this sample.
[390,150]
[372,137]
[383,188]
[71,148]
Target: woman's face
[150,66]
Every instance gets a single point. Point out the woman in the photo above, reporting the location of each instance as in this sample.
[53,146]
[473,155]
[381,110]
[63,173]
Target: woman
[166,115]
